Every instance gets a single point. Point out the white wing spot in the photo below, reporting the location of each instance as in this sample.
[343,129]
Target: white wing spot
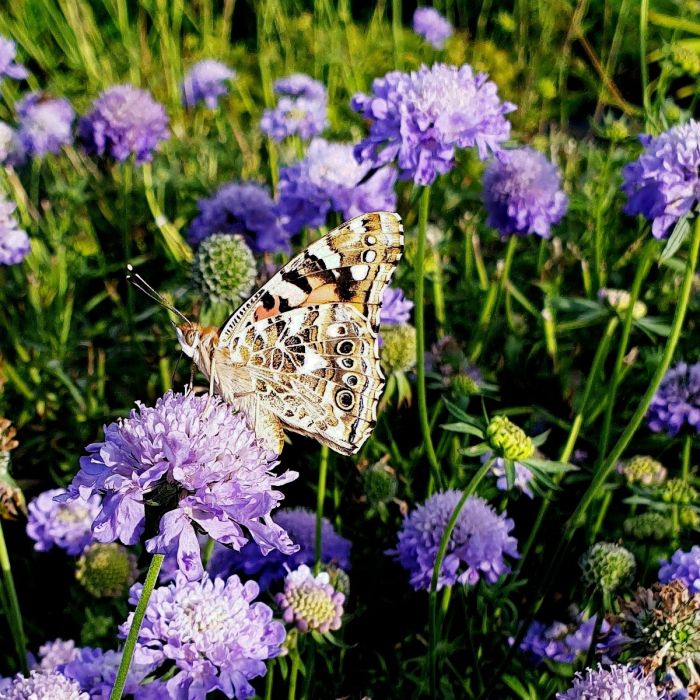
[359,272]
[369,256]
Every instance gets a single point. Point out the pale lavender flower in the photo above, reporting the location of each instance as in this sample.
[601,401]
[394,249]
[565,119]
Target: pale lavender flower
[44,685]
[245,208]
[8,67]
[677,400]
[432,26]
[14,242]
[476,548]
[523,475]
[45,123]
[522,193]
[683,566]
[395,307]
[614,683]
[419,119]
[206,82]
[11,147]
[329,179]
[213,631]
[65,525]
[300,85]
[55,654]
[310,601]
[663,184]
[124,121]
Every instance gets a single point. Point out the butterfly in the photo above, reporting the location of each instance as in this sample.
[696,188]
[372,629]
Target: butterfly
[302,353]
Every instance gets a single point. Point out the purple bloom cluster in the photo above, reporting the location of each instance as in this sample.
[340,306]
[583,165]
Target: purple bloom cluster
[300,524]
[45,123]
[522,193]
[328,179]
[206,82]
[476,548]
[44,685]
[193,456]
[124,121]
[241,207]
[395,307]
[14,242]
[66,525]
[432,26]
[8,67]
[11,147]
[677,400]
[419,119]
[615,683]
[213,631]
[663,184]
[684,566]
[54,654]
[558,641]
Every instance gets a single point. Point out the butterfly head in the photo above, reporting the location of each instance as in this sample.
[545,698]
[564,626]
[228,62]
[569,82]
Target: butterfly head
[189,335]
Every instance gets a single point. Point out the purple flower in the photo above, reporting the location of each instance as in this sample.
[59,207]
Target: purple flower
[522,193]
[432,26]
[65,525]
[14,242]
[124,121]
[206,82]
[241,207]
[300,85]
[8,67]
[523,475]
[197,459]
[684,566]
[420,118]
[300,524]
[55,654]
[11,146]
[677,400]
[213,631]
[663,184]
[329,179]
[44,685]
[614,683]
[310,601]
[45,123]
[395,307]
[475,550]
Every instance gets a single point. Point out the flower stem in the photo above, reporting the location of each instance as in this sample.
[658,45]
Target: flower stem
[602,609]
[320,498]
[293,675]
[13,614]
[139,613]
[685,459]
[269,680]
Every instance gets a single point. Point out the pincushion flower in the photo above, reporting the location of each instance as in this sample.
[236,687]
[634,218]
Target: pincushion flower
[11,147]
[677,400]
[329,179]
[124,121]
[395,307]
[419,119]
[663,184]
[8,67]
[683,566]
[192,456]
[45,123]
[213,631]
[522,193]
[432,26]
[14,242]
[55,654]
[206,82]
[476,549]
[615,683]
[44,685]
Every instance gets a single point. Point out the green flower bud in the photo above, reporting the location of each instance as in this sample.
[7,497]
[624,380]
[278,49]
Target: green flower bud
[678,492]
[644,470]
[464,385]
[547,88]
[619,300]
[648,527]
[508,440]
[689,518]
[106,570]
[96,629]
[380,483]
[607,566]
[616,130]
[398,351]
[686,59]
[506,22]
[339,579]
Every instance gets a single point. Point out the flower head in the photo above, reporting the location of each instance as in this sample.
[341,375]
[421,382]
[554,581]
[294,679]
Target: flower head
[643,469]
[677,400]
[8,67]
[647,526]
[685,567]
[14,242]
[395,307]
[11,146]
[213,631]
[106,570]
[418,119]
[619,300]
[679,492]
[245,208]
[124,121]
[508,440]
[607,566]
[379,483]
[615,683]
[522,193]
[476,548]
[64,525]
[44,685]
[663,184]
[206,82]
[45,123]
[300,85]
[398,348]
[449,362]
[55,654]
[432,26]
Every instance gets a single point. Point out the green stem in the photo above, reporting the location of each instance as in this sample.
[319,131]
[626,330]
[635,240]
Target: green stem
[293,675]
[320,497]
[397,31]
[644,69]
[596,631]
[132,637]
[269,680]
[685,459]
[14,614]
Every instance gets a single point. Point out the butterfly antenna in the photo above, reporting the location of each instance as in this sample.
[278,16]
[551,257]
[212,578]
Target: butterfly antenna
[145,288]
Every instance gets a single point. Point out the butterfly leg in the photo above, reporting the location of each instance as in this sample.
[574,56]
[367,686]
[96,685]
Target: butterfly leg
[212,381]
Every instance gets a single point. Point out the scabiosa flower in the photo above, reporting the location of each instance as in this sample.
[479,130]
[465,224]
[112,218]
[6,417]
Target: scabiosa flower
[11,146]
[648,526]
[379,483]
[420,118]
[508,440]
[398,353]
[64,525]
[124,121]
[300,85]
[522,193]
[14,242]
[106,570]
[45,123]
[607,566]
[245,208]
[55,654]
[685,567]
[44,685]
[476,548]
[615,683]
[8,67]
[300,523]
[619,300]
[432,26]
[523,475]
[395,307]
[206,82]
[663,184]
[448,361]
[213,631]
[644,470]
[677,400]
[329,179]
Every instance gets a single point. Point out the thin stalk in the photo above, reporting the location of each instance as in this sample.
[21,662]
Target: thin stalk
[397,31]
[596,631]
[14,614]
[320,497]
[685,459]
[269,680]
[139,613]
[293,675]
[644,68]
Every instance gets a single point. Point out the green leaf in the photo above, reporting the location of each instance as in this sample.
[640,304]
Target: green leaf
[541,438]
[678,235]
[477,450]
[653,325]
[510,473]
[546,465]
[464,428]
[460,415]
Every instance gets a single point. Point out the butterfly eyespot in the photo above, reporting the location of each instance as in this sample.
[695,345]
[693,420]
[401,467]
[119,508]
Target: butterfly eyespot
[351,379]
[344,399]
[345,347]
[369,256]
[346,362]
[370,240]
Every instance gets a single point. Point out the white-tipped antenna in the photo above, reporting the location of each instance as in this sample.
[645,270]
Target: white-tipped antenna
[145,288]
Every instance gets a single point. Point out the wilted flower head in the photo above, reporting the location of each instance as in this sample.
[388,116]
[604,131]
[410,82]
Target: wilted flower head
[663,184]
[607,566]
[647,526]
[44,685]
[45,123]
[617,682]
[245,208]
[55,654]
[8,67]
[106,570]
[64,525]
[432,26]
[619,300]
[14,242]
[476,548]
[213,631]
[522,193]
[685,567]
[328,179]
[677,400]
[11,146]
[395,307]
[206,82]
[418,119]
[398,351]
[643,469]
[508,440]
[124,121]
